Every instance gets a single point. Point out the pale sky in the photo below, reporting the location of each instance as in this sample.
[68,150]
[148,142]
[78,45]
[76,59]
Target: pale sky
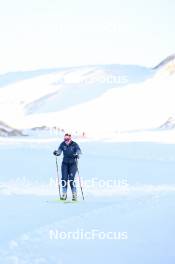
[58,33]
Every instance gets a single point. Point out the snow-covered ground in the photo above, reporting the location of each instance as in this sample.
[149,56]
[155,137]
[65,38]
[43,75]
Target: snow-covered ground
[129,190]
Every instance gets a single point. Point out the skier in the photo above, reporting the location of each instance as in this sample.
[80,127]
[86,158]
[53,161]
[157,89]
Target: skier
[71,152]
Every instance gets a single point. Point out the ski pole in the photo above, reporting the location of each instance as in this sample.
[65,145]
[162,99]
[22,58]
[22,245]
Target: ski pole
[79,180]
[58,179]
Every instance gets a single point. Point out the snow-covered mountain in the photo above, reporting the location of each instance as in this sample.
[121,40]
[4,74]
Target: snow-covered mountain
[169,124]
[92,99]
[169,60]
[7,131]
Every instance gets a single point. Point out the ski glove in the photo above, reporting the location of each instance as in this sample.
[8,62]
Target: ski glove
[56,153]
[76,156]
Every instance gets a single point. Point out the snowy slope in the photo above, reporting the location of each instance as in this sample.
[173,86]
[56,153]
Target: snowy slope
[132,107]
[83,84]
[93,99]
[63,89]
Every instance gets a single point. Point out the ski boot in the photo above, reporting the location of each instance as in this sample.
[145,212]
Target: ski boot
[74,196]
[64,196]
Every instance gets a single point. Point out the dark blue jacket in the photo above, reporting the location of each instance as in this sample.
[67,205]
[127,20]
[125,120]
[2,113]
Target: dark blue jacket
[69,151]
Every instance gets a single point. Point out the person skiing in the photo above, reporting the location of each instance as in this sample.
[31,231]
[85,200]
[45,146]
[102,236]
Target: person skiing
[71,152]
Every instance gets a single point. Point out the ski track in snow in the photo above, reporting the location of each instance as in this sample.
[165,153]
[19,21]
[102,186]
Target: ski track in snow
[32,246]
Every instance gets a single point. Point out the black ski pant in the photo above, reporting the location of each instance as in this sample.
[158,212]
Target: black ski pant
[68,170]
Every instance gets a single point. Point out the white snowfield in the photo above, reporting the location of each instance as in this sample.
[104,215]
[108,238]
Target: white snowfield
[128,212]
[127,170]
